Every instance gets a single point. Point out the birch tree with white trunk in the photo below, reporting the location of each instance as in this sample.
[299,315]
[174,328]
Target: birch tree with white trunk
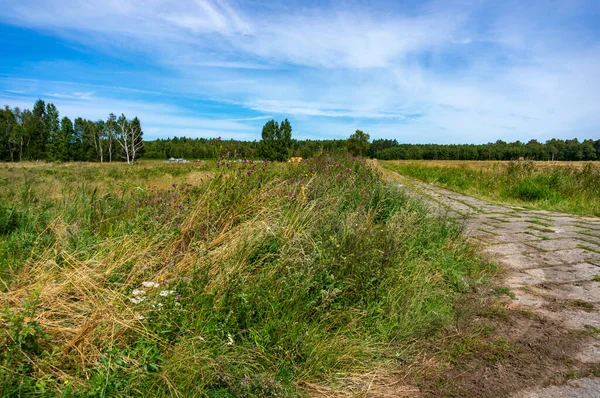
[129,137]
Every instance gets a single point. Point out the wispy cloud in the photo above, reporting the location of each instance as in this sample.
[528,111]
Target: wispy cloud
[476,71]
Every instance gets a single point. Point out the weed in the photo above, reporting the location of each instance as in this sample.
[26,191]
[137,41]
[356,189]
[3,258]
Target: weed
[584,305]
[588,331]
[501,290]
[22,343]
[545,230]
[589,248]
[542,237]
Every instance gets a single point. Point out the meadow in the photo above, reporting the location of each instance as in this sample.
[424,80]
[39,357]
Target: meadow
[571,187]
[238,279]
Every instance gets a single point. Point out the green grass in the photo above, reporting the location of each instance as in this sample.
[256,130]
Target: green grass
[560,188]
[269,276]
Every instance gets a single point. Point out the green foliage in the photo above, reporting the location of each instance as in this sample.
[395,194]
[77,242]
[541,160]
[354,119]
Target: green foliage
[54,143]
[38,134]
[358,143]
[41,135]
[503,290]
[553,149]
[21,344]
[276,141]
[9,218]
[529,190]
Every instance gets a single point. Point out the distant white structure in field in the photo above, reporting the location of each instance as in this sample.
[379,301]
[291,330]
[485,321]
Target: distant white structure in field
[175,160]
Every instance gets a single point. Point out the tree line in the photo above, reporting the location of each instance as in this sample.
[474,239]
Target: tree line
[554,149]
[384,149]
[40,134]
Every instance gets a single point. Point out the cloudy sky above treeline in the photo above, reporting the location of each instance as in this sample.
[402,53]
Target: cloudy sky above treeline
[438,71]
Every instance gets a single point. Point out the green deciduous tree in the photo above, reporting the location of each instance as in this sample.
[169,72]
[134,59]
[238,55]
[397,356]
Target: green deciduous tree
[67,141]
[276,141]
[358,143]
[37,132]
[8,123]
[54,147]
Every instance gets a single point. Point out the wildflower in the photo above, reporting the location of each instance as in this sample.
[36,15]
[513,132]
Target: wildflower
[137,300]
[66,382]
[140,317]
[165,293]
[138,292]
[229,339]
[337,245]
[150,284]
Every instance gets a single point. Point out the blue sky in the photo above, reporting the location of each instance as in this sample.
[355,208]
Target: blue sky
[438,71]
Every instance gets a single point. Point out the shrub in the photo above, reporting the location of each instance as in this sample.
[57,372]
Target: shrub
[529,190]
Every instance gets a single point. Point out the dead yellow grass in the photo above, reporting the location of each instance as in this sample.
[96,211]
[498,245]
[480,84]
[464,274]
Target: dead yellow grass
[101,178]
[479,164]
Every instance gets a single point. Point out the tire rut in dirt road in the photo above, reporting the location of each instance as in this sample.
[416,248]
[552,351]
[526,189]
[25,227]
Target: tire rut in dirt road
[552,261]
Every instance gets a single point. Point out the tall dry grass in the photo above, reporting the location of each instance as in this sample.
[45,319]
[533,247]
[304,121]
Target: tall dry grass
[254,282]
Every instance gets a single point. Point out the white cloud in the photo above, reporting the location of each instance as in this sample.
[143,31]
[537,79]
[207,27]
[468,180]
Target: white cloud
[474,71]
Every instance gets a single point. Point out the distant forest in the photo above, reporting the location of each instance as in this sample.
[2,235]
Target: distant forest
[555,149]
[40,134]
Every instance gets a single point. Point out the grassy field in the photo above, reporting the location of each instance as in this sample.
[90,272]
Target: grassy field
[572,187]
[250,279]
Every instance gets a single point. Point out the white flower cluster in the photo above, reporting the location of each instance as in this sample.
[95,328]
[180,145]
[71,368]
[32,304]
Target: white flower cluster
[139,295]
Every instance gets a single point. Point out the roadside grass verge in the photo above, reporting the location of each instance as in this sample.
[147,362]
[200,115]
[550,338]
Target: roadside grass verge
[254,281]
[561,188]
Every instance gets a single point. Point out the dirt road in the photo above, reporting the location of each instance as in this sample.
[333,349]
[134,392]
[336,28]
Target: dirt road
[553,268]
